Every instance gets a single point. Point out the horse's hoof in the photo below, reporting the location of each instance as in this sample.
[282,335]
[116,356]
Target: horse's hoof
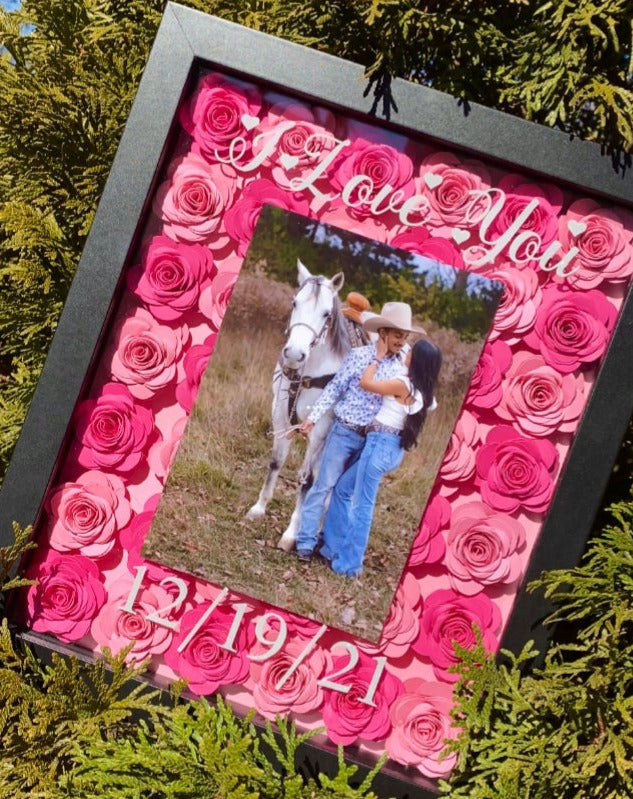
[256,512]
[287,544]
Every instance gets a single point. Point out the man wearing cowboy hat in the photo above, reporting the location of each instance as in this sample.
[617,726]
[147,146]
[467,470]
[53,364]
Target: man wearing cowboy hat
[354,410]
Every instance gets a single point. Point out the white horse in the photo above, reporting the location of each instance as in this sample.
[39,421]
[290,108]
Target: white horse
[317,343]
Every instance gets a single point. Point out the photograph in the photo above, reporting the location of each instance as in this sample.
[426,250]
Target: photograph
[321,421]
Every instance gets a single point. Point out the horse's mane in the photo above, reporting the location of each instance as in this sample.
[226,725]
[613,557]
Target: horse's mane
[337,332]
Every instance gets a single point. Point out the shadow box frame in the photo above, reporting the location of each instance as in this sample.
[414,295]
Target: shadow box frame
[187,41]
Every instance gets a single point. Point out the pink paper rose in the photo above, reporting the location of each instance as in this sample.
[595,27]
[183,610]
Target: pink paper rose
[86,515]
[162,455]
[422,726]
[428,545]
[572,329]
[403,622]
[67,597]
[458,465]
[171,276]
[218,112]
[113,432]
[147,354]
[116,628]
[420,241]
[483,548]
[603,237]
[133,535]
[346,716]
[520,300]
[515,472]
[300,692]
[206,662]
[485,388]
[195,363]
[214,300]
[538,399]
[194,199]
[448,619]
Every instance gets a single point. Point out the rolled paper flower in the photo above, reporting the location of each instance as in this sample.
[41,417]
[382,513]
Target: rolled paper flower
[458,465]
[449,183]
[485,387]
[428,545]
[519,303]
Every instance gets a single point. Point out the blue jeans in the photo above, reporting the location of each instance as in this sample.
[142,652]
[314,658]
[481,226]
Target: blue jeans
[341,447]
[349,517]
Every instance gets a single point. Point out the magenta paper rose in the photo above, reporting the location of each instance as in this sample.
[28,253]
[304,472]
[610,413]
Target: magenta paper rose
[539,400]
[347,717]
[572,329]
[301,692]
[204,663]
[218,112]
[195,363]
[171,276]
[519,303]
[116,628]
[428,545]
[147,354]
[485,387]
[241,219]
[420,241]
[603,237]
[515,472]
[214,300]
[113,431]
[363,169]
[483,548]
[67,597]
[448,619]
[422,725]
[86,515]
[193,200]
[458,465]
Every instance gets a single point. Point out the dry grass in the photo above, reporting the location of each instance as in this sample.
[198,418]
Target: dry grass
[200,525]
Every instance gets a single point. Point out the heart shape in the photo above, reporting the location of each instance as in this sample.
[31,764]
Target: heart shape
[432,180]
[288,161]
[576,228]
[460,236]
[249,121]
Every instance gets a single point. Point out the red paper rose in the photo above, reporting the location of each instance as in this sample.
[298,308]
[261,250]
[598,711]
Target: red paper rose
[515,472]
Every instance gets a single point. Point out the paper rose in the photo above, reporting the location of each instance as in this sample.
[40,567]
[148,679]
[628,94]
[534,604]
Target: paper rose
[86,515]
[195,363]
[483,548]
[519,302]
[420,241]
[133,535]
[421,727]
[428,545]
[67,597]
[571,328]
[346,716]
[515,472]
[538,399]
[206,662]
[402,624]
[215,298]
[605,249]
[485,387]
[448,618]
[170,277]
[458,465]
[113,432]
[147,354]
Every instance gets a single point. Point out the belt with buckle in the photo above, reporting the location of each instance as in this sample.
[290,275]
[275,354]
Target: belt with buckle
[378,427]
[360,429]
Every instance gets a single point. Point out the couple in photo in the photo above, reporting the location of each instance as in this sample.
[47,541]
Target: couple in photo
[381,396]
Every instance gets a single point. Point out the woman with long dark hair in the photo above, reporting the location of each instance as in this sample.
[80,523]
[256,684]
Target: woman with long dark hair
[395,429]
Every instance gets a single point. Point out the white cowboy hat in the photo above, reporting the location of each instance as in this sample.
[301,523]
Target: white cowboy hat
[395,315]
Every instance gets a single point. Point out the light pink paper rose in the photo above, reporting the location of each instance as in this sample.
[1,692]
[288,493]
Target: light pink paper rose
[485,387]
[458,465]
[116,628]
[604,239]
[515,472]
[67,597]
[86,515]
[218,112]
[205,662]
[428,545]
[195,363]
[538,399]
[519,303]
[113,432]
[346,716]
[147,354]
[420,241]
[300,692]
[162,455]
[214,300]
[171,276]
[403,622]
[448,619]
[483,548]
[572,329]
[192,202]
[422,726]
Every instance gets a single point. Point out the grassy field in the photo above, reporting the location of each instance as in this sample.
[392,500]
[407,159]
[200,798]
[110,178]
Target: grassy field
[200,526]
